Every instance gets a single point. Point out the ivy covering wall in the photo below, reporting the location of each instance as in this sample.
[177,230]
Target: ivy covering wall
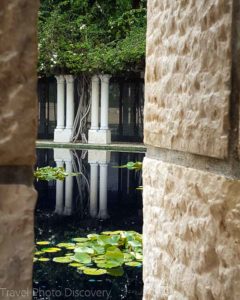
[91,36]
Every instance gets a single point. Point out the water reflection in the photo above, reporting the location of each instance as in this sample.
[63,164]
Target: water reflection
[100,198]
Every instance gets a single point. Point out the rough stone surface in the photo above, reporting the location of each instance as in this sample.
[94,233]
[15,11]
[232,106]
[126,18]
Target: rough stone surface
[18,59]
[16,240]
[191,234]
[188,72]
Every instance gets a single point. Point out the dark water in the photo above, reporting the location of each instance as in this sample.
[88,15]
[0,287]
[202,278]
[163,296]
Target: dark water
[66,210]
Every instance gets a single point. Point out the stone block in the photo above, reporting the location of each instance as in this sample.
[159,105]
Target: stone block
[16,241]
[191,233]
[188,76]
[18,77]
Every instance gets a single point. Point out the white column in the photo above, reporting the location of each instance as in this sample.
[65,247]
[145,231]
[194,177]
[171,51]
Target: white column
[104,101]
[95,103]
[60,101]
[103,212]
[70,101]
[93,189]
[68,189]
[59,192]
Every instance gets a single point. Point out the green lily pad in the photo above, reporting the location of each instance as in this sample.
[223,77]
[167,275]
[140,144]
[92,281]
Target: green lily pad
[43,259]
[63,260]
[133,264]
[51,250]
[83,258]
[117,272]
[93,271]
[66,245]
[84,250]
[80,239]
[43,243]
[75,264]
[39,253]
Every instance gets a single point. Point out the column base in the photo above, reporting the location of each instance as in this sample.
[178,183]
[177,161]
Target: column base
[62,135]
[102,136]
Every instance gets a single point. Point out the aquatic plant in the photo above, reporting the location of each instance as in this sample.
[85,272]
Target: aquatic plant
[137,165]
[52,173]
[96,254]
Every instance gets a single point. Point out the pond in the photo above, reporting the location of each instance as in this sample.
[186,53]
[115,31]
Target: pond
[101,198]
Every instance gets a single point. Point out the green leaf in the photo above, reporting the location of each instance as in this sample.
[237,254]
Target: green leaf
[63,259]
[133,264]
[93,271]
[51,250]
[117,272]
[83,258]
[84,250]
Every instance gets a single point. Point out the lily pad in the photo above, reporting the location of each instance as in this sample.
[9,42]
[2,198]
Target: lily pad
[133,264]
[51,250]
[93,271]
[63,260]
[83,258]
[65,245]
[117,272]
[43,259]
[43,243]
[84,250]
[80,239]
[75,264]
[39,253]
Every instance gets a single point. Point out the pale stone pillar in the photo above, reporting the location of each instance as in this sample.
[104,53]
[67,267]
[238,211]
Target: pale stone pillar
[93,189]
[95,103]
[68,189]
[103,211]
[104,101]
[60,101]
[59,191]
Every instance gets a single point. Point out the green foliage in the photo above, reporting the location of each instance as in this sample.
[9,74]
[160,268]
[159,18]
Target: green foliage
[91,36]
[52,173]
[98,254]
[131,166]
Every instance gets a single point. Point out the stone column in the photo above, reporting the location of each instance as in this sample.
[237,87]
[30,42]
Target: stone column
[18,123]
[93,189]
[68,189]
[60,101]
[69,107]
[95,103]
[191,174]
[103,211]
[59,191]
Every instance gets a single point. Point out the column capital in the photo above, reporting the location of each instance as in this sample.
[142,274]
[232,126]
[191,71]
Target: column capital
[105,77]
[69,78]
[60,79]
[95,78]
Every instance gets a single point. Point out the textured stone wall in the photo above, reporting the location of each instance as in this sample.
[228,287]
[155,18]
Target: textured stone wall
[18,117]
[191,186]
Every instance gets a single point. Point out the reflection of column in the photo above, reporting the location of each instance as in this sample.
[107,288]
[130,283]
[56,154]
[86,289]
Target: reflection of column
[60,102]
[103,212]
[95,103]
[70,101]
[68,189]
[59,191]
[104,101]
[93,189]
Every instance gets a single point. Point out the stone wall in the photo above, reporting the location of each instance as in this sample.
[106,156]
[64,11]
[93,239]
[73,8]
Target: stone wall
[18,116]
[191,172]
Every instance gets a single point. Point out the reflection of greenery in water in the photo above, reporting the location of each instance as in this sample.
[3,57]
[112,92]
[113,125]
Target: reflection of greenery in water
[52,173]
[98,254]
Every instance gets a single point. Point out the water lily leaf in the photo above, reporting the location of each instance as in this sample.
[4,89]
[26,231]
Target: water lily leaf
[93,236]
[43,243]
[138,256]
[35,259]
[112,232]
[63,259]
[80,239]
[43,259]
[93,271]
[114,256]
[128,257]
[51,250]
[70,248]
[133,264]
[69,254]
[75,264]
[98,249]
[84,250]
[66,245]
[39,253]
[104,240]
[117,272]
[83,258]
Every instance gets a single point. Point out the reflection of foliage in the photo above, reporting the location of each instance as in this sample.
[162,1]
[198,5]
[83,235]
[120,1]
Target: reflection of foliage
[52,173]
[91,36]
[98,254]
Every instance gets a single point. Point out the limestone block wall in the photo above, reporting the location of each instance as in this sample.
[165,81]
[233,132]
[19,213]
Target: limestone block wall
[18,118]
[191,186]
